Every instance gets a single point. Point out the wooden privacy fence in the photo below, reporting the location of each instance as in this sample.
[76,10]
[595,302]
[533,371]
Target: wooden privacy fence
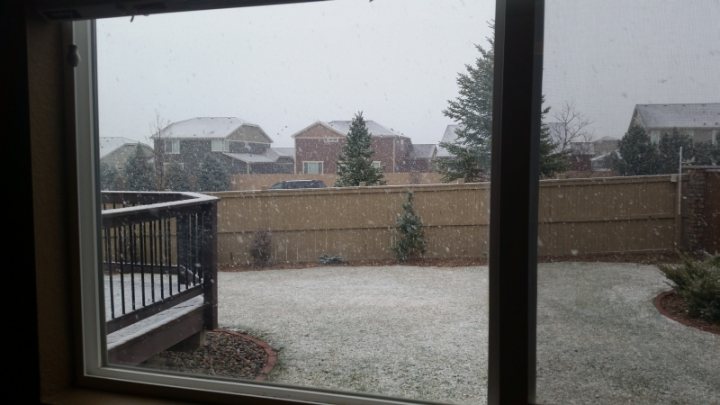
[577,217]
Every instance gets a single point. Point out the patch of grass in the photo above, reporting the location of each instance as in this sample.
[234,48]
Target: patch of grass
[698,283]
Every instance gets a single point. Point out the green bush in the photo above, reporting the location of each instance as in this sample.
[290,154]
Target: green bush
[411,238]
[698,282]
[261,248]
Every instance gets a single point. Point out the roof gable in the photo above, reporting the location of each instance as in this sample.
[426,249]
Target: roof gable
[214,128]
[678,115]
[109,144]
[373,127]
[318,129]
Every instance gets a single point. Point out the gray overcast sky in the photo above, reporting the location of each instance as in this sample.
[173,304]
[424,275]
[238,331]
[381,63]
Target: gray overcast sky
[284,67]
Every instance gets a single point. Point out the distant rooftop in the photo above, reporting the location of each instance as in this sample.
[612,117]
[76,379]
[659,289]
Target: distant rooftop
[373,127]
[203,127]
[285,152]
[679,115]
[448,137]
[423,151]
[108,144]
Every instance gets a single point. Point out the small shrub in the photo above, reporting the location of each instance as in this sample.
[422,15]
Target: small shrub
[411,240]
[698,283]
[330,259]
[261,248]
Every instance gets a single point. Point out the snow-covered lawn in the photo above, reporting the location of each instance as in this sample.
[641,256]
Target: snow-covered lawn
[421,332]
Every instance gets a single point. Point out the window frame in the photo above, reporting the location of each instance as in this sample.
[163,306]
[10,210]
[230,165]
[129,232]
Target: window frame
[174,146]
[320,163]
[513,235]
[223,143]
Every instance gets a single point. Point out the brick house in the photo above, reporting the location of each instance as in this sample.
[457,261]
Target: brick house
[243,147]
[318,146]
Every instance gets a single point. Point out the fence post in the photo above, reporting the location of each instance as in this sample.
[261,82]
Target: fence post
[209,264]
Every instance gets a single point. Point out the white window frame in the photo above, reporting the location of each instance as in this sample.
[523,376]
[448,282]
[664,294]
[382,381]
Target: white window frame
[174,148]
[214,145]
[517,378]
[332,140]
[377,164]
[318,162]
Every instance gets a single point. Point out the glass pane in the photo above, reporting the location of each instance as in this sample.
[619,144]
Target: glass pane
[345,282]
[633,96]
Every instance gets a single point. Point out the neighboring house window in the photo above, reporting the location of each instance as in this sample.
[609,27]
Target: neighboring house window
[218,145]
[313,167]
[377,164]
[172,146]
[332,140]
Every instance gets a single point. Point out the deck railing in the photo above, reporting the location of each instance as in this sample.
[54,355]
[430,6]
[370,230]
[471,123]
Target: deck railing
[159,249]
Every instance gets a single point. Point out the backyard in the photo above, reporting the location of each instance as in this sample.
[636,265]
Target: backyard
[421,332]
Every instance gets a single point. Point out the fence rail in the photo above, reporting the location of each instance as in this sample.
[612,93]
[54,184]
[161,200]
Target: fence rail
[158,250]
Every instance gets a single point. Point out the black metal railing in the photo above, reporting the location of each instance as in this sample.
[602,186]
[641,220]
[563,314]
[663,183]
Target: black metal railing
[158,249]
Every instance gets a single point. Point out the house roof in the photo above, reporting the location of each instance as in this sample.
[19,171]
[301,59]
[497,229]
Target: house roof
[270,156]
[423,151]
[448,137]
[679,115]
[607,139]
[109,144]
[210,128]
[375,129]
[285,152]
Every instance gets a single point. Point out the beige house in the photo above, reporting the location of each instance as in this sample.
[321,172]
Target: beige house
[700,121]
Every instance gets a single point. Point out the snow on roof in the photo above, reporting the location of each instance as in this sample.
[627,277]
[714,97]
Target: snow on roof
[373,127]
[448,137]
[203,127]
[109,144]
[607,138]
[423,151]
[270,156]
[679,115]
[285,152]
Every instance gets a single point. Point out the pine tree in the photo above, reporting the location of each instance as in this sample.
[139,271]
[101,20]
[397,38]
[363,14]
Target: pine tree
[110,177]
[355,161]
[139,173]
[176,178]
[669,151]
[411,238]
[706,154]
[638,156]
[213,175]
[551,161]
[472,109]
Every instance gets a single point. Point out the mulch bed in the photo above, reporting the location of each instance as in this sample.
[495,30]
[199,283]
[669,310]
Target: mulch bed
[674,307]
[224,353]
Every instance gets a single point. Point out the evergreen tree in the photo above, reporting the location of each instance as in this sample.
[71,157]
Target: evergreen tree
[551,161]
[355,161]
[110,177]
[638,155]
[411,238]
[176,178]
[472,109]
[139,173]
[669,149]
[706,154]
[213,175]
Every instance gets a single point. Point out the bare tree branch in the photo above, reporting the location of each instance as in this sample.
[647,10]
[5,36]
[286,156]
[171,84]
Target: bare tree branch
[572,126]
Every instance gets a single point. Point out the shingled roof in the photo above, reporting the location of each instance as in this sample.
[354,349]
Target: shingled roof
[678,115]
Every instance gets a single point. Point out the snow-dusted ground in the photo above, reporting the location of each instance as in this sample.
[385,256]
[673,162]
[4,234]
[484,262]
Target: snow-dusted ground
[421,333]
